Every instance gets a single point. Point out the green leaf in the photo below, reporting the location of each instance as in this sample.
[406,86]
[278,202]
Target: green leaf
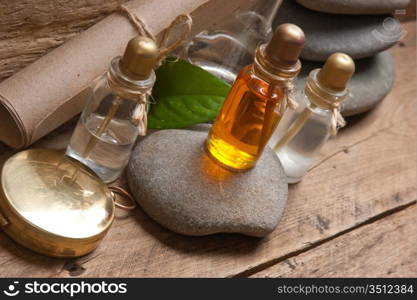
[185,94]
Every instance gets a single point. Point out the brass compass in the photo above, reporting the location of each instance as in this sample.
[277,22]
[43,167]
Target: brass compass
[47,209]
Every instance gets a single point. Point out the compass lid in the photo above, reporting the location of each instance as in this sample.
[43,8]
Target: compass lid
[53,204]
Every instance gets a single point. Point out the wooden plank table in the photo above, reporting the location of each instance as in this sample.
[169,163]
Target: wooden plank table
[354,214]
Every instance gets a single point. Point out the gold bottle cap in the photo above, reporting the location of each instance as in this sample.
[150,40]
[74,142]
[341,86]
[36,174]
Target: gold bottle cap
[336,72]
[139,58]
[285,46]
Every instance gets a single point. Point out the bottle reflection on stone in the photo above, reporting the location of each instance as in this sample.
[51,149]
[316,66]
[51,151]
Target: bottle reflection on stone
[255,103]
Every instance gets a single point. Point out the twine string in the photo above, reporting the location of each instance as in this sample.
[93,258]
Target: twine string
[184,21]
[289,95]
[334,105]
[288,100]
[140,115]
[337,120]
[139,25]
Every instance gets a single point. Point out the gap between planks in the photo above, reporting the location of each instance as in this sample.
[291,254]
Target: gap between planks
[268,264]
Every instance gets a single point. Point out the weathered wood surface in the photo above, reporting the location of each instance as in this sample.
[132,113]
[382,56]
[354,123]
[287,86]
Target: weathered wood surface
[365,174]
[384,248]
[409,13]
[29,29]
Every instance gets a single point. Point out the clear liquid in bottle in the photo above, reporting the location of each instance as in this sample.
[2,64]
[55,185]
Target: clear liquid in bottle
[299,154]
[115,113]
[302,133]
[111,151]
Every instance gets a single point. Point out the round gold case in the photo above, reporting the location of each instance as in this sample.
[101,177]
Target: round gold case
[53,204]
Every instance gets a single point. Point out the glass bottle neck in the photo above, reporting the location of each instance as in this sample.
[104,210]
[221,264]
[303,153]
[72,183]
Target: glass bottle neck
[125,86]
[269,72]
[320,97]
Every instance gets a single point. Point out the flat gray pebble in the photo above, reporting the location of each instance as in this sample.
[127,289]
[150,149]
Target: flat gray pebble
[357,36]
[355,6]
[180,187]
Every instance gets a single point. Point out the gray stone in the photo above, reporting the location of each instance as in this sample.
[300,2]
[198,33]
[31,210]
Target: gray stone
[373,80]
[180,187]
[355,6]
[358,36]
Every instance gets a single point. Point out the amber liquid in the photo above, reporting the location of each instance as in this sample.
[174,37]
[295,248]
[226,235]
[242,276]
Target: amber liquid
[249,116]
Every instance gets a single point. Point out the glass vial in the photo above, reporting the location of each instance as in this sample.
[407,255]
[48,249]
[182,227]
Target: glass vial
[254,105]
[229,46]
[302,132]
[113,116]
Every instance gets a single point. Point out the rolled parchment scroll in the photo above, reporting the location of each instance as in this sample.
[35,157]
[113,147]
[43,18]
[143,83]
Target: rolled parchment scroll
[52,90]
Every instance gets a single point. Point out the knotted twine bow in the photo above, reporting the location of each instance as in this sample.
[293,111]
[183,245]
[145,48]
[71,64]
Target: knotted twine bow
[139,116]
[337,121]
[288,100]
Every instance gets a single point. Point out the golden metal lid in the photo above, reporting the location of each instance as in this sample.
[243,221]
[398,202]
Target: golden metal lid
[285,46]
[336,72]
[53,204]
[139,58]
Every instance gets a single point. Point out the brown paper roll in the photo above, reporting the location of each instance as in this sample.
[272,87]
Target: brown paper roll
[51,91]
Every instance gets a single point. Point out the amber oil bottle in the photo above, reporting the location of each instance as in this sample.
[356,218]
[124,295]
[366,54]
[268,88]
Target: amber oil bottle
[256,101]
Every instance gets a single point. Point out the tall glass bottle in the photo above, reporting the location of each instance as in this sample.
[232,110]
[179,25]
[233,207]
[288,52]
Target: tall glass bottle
[115,114]
[228,46]
[254,105]
[302,132]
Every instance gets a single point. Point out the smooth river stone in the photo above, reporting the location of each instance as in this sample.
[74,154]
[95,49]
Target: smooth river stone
[355,6]
[373,80]
[180,187]
[358,36]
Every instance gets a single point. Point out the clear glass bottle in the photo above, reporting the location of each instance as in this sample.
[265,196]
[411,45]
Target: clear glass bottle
[253,107]
[113,116]
[302,132]
[225,49]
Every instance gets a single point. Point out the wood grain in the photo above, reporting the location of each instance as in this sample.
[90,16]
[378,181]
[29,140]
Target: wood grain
[409,13]
[367,171]
[29,29]
[385,248]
